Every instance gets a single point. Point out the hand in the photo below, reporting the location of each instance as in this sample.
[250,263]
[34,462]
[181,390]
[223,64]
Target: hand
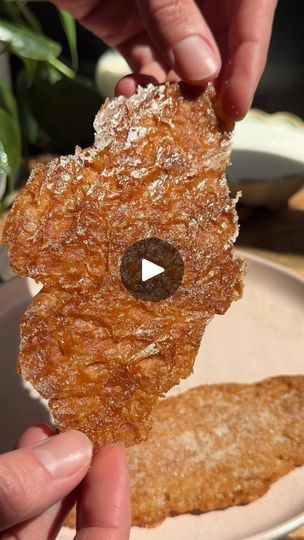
[37,483]
[188,40]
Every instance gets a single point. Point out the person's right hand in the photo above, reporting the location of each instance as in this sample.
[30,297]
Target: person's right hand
[38,481]
[194,41]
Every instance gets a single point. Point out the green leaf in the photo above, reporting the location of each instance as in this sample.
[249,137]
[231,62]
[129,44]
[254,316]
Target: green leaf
[4,166]
[8,99]
[10,137]
[69,26]
[31,67]
[3,186]
[8,200]
[68,117]
[28,124]
[27,43]
[53,75]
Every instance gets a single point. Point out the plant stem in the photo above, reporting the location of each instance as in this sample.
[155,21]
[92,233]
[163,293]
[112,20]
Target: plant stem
[63,68]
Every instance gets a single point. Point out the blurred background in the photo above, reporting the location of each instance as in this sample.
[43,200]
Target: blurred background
[282,86]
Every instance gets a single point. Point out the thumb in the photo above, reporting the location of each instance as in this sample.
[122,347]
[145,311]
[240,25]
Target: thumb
[34,478]
[183,37]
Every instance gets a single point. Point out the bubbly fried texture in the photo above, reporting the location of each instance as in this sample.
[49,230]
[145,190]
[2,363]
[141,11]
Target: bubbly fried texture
[216,446]
[156,169]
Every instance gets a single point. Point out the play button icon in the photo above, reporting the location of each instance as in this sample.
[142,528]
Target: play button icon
[152,269]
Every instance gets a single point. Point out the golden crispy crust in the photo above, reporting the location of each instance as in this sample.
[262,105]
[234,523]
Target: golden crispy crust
[216,446]
[157,169]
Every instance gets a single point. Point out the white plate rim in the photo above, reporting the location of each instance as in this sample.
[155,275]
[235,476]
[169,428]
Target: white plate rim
[263,261]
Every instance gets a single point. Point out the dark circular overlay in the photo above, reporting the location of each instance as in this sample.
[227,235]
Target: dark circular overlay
[158,287]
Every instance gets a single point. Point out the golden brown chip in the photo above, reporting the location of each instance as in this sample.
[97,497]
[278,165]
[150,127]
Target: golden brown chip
[216,446]
[157,169]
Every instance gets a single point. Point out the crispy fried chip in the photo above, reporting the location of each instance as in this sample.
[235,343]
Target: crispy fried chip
[216,446]
[157,169]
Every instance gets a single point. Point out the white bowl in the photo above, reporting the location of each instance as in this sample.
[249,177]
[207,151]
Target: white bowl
[267,158]
[110,68]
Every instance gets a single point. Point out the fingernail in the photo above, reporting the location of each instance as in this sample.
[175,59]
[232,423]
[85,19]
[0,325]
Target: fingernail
[193,59]
[64,454]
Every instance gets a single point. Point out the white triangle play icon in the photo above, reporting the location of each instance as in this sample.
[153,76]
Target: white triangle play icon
[150,270]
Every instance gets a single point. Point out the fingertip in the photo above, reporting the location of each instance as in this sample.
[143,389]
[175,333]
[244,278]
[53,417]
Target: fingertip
[128,85]
[238,115]
[194,60]
[113,451]
[106,495]
[190,91]
[199,83]
[113,454]
[54,466]
[65,454]
[35,434]
[81,438]
[235,103]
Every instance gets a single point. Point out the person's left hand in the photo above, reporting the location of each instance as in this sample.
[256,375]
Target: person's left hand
[38,481]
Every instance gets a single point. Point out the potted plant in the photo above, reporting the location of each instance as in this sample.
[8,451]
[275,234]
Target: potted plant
[48,109]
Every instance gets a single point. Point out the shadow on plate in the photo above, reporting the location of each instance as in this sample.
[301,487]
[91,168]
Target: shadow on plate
[257,164]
